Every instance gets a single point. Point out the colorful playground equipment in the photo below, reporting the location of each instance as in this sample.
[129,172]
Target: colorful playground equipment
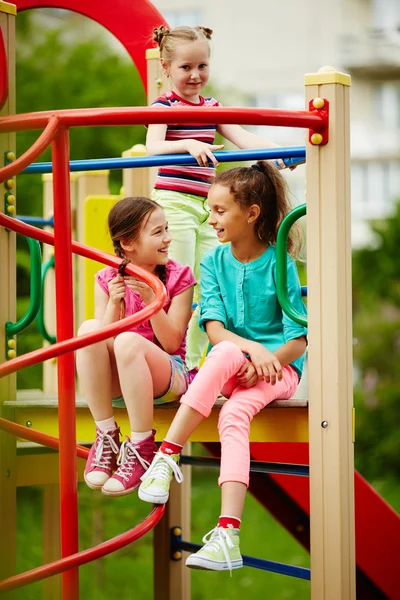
[318,431]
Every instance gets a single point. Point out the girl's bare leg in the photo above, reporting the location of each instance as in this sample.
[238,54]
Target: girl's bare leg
[97,373]
[233,497]
[144,374]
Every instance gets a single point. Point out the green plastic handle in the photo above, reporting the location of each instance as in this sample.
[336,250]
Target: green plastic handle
[281,264]
[35,291]
[40,318]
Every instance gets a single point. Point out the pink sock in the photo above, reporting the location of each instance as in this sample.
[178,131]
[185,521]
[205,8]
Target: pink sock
[229,522]
[170,448]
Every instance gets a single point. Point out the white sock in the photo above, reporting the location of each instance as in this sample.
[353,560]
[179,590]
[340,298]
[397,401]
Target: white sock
[137,437]
[107,424]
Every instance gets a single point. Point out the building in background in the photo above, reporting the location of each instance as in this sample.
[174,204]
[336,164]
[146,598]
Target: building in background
[261,51]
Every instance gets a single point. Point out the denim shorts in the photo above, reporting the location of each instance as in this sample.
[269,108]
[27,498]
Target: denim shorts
[178,384]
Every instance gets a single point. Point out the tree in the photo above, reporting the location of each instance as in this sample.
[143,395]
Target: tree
[62,67]
[376,292]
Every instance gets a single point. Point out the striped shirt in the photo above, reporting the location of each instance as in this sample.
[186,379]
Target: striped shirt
[188,180]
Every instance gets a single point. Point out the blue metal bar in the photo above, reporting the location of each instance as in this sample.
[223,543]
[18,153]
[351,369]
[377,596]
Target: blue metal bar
[38,221]
[96,164]
[255,466]
[258,563]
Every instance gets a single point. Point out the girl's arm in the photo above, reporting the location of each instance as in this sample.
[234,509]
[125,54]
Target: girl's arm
[107,308]
[293,349]
[170,328]
[244,139]
[157,144]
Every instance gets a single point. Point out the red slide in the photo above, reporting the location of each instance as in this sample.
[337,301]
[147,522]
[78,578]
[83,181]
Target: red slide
[286,497]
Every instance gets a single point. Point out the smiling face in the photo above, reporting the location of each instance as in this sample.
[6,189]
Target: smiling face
[189,69]
[151,247]
[231,222]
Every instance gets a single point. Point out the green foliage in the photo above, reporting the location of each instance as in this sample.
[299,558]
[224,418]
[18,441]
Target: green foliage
[57,69]
[376,294]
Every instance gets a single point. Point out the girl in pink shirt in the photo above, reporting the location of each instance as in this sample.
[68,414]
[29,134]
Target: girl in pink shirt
[143,365]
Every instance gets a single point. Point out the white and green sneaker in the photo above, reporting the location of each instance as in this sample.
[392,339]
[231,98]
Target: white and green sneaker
[220,551]
[157,479]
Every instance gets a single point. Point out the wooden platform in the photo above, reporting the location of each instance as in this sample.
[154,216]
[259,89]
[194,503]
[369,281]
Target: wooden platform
[282,420]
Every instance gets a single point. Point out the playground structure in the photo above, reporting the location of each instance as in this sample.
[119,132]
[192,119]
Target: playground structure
[330,415]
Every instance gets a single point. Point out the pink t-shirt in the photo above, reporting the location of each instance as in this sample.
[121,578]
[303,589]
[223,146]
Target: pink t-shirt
[178,279]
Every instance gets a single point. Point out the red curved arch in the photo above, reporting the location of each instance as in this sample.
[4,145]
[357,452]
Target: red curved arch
[3,72]
[130,21]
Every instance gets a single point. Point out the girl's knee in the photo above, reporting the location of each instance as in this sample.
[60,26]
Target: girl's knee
[89,326]
[127,342]
[233,415]
[228,349]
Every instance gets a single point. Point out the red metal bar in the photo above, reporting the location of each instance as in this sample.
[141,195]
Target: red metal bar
[38,437]
[66,367]
[146,115]
[43,354]
[3,72]
[87,555]
[34,151]
[81,558]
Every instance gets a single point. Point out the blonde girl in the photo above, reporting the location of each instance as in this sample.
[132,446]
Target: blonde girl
[182,191]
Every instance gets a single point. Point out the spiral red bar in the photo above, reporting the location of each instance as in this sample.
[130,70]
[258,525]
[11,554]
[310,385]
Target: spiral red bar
[85,556]
[3,72]
[79,558]
[72,344]
[38,437]
[91,117]
[43,141]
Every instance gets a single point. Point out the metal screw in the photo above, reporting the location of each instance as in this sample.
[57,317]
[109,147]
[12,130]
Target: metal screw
[29,423]
[324,424]
[8,473]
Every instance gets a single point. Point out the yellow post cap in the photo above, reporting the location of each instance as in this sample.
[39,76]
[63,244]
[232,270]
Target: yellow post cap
[326,75]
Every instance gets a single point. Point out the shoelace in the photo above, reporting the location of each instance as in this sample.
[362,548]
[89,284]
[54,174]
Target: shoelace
[219,539]
[105,448]
[128,455]
[160,468]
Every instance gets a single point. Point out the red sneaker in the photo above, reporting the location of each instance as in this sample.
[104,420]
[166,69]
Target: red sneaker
[133,461]
[102,459]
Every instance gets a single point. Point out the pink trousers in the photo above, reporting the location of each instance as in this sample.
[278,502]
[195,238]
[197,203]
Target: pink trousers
[218,375]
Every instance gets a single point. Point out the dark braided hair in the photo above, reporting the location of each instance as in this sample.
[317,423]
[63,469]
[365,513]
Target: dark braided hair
[263,184]
[125,222]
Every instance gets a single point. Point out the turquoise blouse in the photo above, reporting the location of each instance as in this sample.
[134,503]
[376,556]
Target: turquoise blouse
[243,297]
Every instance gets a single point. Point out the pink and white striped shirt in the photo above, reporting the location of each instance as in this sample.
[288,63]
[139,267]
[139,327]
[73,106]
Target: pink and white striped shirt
[188,180]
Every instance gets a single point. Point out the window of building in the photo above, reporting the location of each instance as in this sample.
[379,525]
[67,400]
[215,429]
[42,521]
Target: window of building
[386,15]
[386,103]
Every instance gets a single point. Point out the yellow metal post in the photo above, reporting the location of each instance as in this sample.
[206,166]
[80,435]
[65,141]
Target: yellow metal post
[88,183]
[330,350]
[7,313]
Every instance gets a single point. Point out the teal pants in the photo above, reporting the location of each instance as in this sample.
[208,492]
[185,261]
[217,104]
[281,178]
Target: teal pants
[192,237]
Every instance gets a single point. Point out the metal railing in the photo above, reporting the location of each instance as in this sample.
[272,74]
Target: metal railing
[55,125]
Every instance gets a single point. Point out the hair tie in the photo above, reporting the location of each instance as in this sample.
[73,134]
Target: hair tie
[257,167]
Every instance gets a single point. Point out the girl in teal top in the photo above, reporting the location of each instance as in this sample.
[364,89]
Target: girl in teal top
[257,354]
